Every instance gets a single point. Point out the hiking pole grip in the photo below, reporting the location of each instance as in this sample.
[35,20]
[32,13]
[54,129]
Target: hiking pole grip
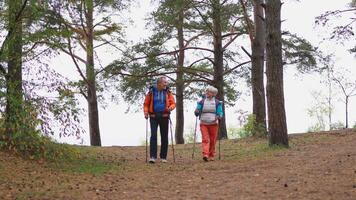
[195,136]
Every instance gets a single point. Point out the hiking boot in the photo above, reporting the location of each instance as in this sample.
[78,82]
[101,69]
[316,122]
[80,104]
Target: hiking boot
[205,159]
[164,161]
[152,160]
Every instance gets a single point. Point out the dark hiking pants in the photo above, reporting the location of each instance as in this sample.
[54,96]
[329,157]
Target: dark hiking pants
[162,122]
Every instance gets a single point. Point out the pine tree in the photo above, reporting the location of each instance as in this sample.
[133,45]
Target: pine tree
[277,125]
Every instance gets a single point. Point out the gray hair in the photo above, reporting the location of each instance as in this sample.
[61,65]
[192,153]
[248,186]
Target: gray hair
[212,90]
[161,78]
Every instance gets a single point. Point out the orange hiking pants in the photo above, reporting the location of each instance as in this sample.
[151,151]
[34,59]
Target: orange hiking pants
[209,135]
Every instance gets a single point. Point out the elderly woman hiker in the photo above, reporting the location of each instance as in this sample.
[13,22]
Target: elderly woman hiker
[209,110]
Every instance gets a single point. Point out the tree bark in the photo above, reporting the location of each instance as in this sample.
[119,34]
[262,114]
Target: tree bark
[219,62]
[92,100]
[277,126]
[257,71]
[180,83]
[14,93]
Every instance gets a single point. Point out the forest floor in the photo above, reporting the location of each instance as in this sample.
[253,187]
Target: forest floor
[316,166]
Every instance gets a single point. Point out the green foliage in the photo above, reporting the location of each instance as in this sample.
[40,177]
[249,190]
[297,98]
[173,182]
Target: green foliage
[85,162]
[25,140]
[252,128]
[32,145]
[132,76]
[297,50]
[231,94]
[58,113]
[256,148]
[316,127]
[66,24]
[158,55]
[93,167]
[319,109]
[354,126]
[236,133]
[189,137]
[337,126]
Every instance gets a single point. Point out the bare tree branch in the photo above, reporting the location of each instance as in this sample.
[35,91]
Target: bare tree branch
[231,41]
[237,66]
[248,23]
[193,38]
[205,58]
[244,50]
[74,57]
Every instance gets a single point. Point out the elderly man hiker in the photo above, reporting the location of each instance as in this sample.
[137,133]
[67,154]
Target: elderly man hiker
[210,111]
[158,104]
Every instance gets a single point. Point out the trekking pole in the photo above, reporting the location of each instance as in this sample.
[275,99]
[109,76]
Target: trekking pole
[146,137]
[219,139]
[195,136]
[174,158]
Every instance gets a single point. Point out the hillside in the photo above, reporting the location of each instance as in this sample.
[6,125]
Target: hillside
[316,166]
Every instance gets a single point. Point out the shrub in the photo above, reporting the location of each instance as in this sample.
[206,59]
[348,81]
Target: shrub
[235,133]
[25,141]
[32,145]
[189,138]
[252,128]
[337,126]
[316,128]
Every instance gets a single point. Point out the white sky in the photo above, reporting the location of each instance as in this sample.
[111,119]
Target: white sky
[120,129]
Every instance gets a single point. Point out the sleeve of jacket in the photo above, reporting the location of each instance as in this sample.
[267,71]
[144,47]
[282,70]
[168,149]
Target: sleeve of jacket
[146,104]
[219,110]
[198,108]
[171,101]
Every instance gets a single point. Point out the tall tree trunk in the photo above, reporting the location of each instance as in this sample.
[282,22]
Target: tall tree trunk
[90,73]
[277,126]
[180,83]
[219,62]
[257,72]
[14,93]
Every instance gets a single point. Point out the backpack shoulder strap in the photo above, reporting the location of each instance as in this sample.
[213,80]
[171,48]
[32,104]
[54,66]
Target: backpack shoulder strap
[217,102]
[168,90]
[201,102]
[150,89]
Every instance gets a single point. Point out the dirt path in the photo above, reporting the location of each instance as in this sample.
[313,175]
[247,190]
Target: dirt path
[317,166]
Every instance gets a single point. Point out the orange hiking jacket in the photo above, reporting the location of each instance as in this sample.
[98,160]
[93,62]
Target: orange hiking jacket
[148,103]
